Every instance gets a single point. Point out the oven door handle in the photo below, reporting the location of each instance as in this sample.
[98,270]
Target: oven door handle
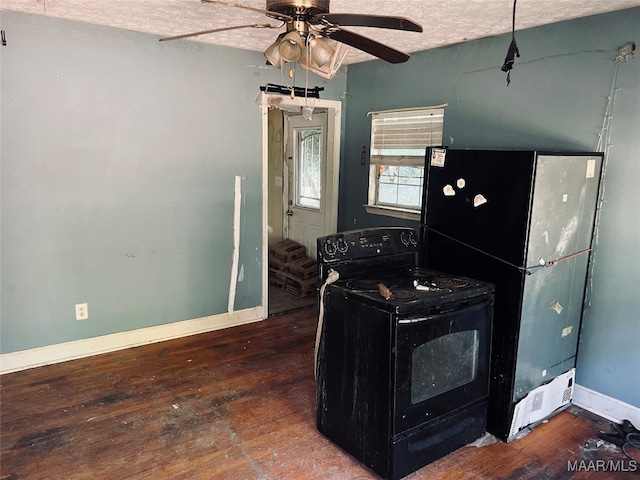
[472,308]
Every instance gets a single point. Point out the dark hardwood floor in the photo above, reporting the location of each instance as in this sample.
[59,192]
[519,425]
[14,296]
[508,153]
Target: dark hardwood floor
[232,404]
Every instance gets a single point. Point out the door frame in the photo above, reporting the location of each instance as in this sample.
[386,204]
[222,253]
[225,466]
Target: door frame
[334,122]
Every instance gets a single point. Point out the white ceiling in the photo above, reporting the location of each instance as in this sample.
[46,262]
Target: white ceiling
[445,22]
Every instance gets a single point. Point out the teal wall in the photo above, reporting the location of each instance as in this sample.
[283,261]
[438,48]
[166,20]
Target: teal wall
[119,156]
[557,100]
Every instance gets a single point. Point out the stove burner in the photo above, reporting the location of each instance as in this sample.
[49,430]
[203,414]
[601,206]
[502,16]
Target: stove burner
[451,282]
[431,279]
[404,295]
[364,284]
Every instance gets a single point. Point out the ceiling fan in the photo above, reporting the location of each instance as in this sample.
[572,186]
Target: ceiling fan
[313,35]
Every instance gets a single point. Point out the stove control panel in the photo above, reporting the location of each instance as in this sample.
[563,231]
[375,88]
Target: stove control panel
[372,242]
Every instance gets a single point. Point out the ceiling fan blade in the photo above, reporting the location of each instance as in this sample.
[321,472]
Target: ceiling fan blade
[223,29]
[379,21]
[365,44]
[268,13]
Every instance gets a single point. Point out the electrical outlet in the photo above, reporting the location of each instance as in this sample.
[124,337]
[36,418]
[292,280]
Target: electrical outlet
[82,311]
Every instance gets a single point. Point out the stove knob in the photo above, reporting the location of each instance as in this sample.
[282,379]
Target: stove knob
[405,239]
[342,246]
[330,249]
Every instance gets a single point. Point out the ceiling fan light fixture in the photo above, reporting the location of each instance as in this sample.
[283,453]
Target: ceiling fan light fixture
[291,47]
[328,70]
[272,53]
[321,51]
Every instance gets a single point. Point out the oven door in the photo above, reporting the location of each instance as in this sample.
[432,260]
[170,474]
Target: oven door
[442,361]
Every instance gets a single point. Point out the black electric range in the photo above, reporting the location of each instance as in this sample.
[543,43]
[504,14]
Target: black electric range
[402,361]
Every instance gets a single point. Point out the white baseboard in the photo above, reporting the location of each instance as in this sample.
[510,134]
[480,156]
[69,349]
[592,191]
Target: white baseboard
[606,407]
[37,357]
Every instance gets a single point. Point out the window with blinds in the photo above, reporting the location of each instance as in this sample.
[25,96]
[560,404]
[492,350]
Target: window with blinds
[398,142]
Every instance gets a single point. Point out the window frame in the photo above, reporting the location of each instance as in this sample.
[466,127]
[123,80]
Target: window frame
[407,127]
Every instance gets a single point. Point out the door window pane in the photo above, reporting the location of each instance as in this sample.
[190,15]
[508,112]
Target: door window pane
[308,168]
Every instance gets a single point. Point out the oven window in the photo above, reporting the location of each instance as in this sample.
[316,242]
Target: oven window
[443,364]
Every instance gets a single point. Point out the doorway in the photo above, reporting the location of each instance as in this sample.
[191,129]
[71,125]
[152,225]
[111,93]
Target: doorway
[301,156]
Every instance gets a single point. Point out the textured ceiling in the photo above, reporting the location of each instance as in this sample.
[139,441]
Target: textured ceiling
[445,22]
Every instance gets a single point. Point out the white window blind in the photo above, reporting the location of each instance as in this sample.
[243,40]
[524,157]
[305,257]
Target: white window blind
[399,137]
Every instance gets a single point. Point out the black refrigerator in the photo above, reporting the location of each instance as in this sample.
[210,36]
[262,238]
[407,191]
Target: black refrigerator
[524,221]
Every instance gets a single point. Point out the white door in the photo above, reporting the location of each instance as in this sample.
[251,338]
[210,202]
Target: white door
[308,193]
